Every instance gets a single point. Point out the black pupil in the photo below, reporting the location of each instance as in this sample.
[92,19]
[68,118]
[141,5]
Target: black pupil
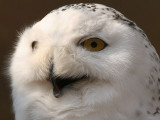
[93,44]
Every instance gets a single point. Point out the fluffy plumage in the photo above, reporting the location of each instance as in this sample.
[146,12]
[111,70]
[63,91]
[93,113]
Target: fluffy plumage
[122,80]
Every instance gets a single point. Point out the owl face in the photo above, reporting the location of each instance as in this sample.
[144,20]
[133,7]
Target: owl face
[85,62]
[89,50]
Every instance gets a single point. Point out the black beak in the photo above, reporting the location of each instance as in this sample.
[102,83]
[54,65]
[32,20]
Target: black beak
[60,82]
[56,89]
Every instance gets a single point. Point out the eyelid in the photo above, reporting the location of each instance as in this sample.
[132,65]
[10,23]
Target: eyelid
[81,41]
[34,45]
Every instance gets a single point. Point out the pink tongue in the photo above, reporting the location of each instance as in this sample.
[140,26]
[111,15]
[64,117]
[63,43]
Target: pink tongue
[48,79]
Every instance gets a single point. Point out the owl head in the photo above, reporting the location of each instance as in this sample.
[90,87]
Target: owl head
[88,53]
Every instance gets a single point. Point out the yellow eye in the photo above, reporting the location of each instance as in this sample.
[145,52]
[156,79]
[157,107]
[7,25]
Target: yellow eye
[94,44]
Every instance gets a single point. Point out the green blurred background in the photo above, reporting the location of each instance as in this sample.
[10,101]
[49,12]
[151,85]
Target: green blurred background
[17,14]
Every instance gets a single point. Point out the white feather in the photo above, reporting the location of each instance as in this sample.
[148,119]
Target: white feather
[118,87]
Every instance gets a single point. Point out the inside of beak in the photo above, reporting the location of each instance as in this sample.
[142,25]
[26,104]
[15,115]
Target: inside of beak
[60,82]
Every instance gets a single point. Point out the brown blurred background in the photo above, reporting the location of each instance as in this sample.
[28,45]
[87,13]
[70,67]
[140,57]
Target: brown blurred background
[16,14]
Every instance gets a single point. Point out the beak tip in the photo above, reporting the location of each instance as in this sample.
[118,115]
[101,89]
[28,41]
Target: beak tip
[57,94]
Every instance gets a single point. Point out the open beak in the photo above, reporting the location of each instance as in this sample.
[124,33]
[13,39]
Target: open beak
[56,89]
[60,82]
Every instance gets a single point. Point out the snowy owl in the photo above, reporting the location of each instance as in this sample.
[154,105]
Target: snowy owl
[85,62]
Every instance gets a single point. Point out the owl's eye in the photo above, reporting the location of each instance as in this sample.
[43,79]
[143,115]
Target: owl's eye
[94,44]
[34,45]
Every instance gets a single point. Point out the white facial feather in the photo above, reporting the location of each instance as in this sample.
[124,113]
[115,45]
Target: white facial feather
[123,79]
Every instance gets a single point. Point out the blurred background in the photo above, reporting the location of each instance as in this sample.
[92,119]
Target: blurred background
[15,15]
